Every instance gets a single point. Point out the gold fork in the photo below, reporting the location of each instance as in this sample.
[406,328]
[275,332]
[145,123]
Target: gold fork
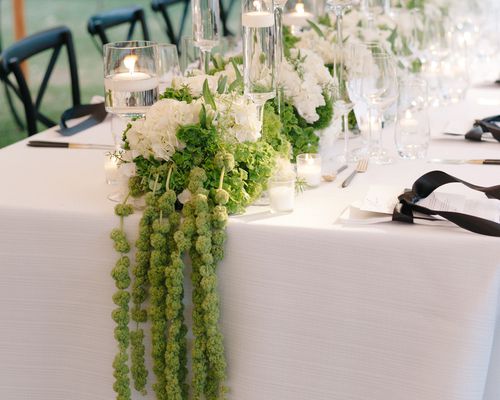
[361,167]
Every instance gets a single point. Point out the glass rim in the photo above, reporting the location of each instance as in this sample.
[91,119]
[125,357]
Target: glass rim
[131,44]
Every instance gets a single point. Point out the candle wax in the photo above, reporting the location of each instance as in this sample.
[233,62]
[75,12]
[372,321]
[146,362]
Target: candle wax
[257,19]
[282,198]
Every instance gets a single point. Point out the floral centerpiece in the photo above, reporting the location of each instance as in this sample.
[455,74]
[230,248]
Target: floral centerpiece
[196,156]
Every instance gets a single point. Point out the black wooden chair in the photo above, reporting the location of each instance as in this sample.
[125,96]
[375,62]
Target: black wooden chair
[99,23]
[10,66]
[162,7]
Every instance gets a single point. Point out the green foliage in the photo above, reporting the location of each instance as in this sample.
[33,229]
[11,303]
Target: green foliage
[271,131]
[325,20]
[120,274]
[298,132]
[182,94]
[289,40]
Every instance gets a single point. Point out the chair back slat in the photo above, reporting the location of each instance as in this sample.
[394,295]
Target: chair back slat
[98,24]
[162,7]
[46,77]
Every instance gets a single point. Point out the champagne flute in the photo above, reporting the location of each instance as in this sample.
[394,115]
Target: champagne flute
[258,52]
[206,28]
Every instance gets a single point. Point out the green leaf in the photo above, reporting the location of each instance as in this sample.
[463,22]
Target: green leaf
[221,84]
[207,95]
[203,116]
[236,70]
[316,28]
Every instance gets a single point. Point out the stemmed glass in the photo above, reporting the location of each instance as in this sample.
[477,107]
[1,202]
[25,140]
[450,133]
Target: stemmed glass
[379,87]
[206,28]
[372,8]
[168,65]
[339,7]
[259,61]
[278,6]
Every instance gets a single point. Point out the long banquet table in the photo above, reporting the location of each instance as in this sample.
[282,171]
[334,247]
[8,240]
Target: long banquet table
[311,309]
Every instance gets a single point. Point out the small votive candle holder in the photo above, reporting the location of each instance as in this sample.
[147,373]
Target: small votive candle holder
[309,168]
[111,169]
[281,196]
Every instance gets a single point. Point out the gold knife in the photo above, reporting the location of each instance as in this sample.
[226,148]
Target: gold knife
[67,145]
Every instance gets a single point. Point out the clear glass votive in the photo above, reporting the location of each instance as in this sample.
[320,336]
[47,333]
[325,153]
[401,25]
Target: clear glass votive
[111,169]
[281,196]
[309,168]
[130,77]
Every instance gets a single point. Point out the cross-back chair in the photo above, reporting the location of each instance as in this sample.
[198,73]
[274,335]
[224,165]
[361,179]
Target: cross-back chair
[98,24]
[11,74]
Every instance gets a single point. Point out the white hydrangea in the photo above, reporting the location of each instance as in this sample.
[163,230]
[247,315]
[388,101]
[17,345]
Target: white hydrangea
[323,46]
[156,134]
[304,78]
[197,78]
[237,118]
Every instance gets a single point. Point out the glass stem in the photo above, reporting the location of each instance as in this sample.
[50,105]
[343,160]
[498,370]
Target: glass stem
[278,23]
[380,135]
[370,130]
[260,113]
[346,137]
[205,60]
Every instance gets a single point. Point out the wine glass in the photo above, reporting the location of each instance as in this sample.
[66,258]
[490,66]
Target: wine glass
[355,55]
[259,54]
[206,28]
[168,65]
[342,104]
[379,87]
[339,7]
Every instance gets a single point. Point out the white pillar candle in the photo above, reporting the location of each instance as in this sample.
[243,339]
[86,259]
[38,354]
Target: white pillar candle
[130,82]
[257,19]
[282,196]
[408,122]
[309,168]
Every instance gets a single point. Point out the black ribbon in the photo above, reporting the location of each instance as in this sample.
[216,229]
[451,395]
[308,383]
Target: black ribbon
[96,112]
[482,126]
[429,182]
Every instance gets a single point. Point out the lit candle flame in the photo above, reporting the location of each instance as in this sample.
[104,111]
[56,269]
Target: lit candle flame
[257,5]
[129,63]
[408,114]
[299,8]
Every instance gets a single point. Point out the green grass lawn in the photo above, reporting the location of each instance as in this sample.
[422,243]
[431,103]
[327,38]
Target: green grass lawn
[44,14]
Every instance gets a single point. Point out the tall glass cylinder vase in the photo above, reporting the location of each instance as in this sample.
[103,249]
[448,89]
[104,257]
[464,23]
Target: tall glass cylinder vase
[206,28]
[259,52]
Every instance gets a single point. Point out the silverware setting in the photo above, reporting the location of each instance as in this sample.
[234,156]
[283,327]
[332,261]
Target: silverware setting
[333,175]
[67,145]
[465,161]
[360,168]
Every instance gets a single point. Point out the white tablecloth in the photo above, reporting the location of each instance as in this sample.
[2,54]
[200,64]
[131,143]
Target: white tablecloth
[310,309]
